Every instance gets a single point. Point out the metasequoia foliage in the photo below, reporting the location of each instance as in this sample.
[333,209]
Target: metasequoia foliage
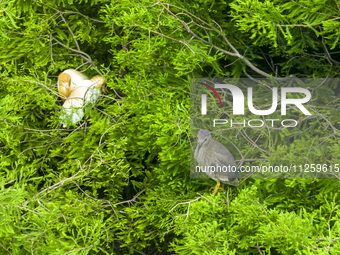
[118,182]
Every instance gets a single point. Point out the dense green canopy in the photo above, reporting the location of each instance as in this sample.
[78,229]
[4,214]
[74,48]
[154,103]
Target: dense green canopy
[119,182]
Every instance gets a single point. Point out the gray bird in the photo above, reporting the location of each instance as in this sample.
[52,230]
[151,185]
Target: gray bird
[215,160]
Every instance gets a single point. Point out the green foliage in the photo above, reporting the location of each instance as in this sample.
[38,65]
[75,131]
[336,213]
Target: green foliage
[291,30]
[118,182]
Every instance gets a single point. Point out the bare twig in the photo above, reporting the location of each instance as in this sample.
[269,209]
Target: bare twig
[257,247]
[3,247]
[189,204]
[234,52]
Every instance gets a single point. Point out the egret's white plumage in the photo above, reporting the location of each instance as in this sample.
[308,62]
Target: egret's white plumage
[95,89]
[69,80]
[82,93]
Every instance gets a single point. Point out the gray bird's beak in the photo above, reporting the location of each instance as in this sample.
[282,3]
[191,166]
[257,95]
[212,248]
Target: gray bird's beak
[199,145]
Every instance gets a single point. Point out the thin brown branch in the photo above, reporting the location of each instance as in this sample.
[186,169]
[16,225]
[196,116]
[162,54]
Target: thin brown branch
[235,53]
[257,247]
